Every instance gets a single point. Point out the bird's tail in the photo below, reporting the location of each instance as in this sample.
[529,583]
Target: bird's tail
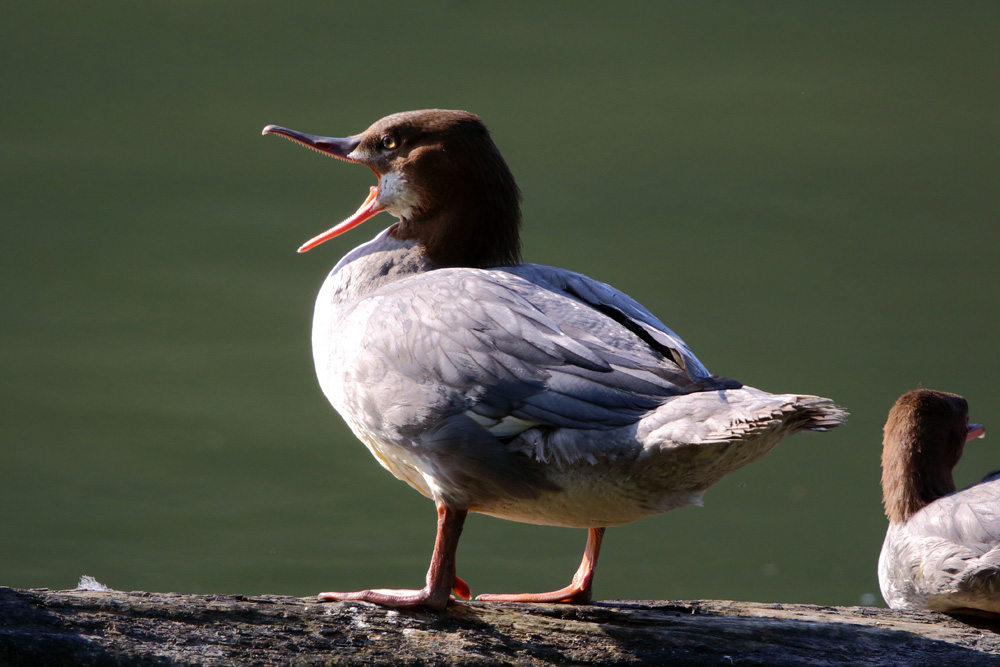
[703,437]
[814,413]
[731,415]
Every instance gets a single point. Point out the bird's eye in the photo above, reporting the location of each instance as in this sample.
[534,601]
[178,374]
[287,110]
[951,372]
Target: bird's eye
[388,142]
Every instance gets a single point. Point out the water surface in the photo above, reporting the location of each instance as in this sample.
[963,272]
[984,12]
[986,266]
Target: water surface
[807,193]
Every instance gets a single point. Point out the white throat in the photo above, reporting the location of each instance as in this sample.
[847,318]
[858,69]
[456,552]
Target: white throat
[396,195]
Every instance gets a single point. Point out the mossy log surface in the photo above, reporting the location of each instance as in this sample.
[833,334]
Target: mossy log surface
[84,628]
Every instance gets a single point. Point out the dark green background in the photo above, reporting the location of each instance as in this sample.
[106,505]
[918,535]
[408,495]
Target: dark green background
[806,192]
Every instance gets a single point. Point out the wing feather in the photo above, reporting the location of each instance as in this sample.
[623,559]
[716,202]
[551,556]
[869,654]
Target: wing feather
[504,345]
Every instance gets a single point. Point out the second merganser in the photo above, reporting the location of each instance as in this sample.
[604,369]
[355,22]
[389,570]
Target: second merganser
[520,391]
[942,548]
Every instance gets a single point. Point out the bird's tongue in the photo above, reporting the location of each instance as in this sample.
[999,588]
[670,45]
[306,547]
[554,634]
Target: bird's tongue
[368,209]
[975,431]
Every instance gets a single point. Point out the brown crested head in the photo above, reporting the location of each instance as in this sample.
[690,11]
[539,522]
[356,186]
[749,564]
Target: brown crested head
[923,440]
[441,174]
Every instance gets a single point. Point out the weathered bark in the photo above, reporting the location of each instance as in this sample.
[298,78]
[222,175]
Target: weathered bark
[82,628]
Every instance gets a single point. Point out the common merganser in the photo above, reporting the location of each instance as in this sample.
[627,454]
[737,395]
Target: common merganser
[520,391]
[942,548]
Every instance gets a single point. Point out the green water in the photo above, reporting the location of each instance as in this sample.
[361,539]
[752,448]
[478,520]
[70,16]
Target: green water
[807,192]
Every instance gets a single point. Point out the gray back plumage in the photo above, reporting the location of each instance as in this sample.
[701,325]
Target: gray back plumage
[947,555]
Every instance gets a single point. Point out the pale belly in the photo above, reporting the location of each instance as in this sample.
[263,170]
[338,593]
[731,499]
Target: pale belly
[590,495]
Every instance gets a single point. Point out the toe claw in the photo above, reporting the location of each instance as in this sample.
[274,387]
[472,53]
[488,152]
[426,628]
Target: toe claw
[461,589]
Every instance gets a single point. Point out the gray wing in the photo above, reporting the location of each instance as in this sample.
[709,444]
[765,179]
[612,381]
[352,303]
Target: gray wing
[620,307]
[513,353]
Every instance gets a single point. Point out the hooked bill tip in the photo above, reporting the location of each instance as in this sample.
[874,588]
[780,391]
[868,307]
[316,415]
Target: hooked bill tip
[268,129]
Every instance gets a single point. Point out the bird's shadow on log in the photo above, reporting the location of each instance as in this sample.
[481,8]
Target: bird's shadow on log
[690,634]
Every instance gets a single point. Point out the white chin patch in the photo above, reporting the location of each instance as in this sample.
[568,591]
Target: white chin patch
[395,193]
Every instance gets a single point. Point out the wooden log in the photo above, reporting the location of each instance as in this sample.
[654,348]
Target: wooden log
[86,628]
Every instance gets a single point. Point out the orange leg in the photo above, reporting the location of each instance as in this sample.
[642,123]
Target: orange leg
[441,577]
[580,589]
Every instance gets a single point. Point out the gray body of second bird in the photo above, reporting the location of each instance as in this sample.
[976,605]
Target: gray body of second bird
[947,555]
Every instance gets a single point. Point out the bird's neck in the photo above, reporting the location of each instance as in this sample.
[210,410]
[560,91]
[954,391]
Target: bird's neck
[911,477]
[478,236]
